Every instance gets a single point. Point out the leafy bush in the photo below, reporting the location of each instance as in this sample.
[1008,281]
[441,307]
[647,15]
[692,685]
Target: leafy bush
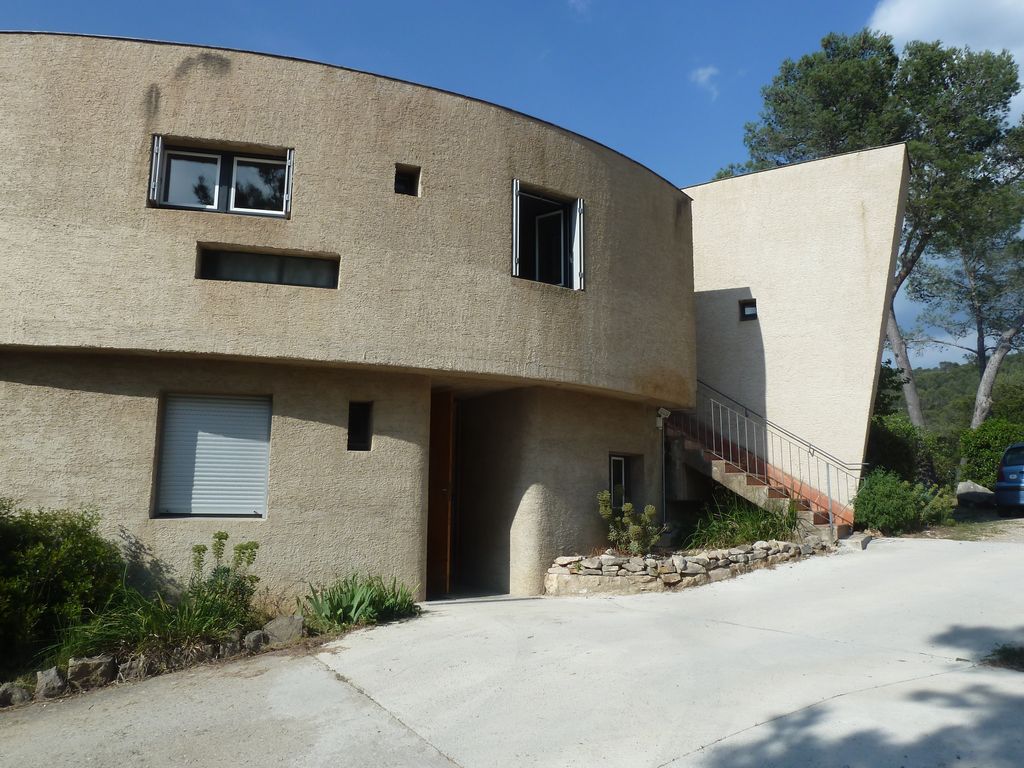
[628,530]
[54,568]
[216,605]
[356,600]
[731,521]
[981,449]
[893,506]
[896,445]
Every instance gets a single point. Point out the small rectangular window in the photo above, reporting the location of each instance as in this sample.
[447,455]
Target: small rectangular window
[360,426]
[748,309]
[407,180]
[215,178]
[278,269]
[618,480]
[547,238]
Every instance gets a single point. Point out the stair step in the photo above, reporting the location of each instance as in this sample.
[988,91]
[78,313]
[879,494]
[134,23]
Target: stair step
[777,493]
[732,469]
[754,480]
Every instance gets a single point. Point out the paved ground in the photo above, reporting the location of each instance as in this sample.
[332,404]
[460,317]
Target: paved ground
[861,660]
[979,524]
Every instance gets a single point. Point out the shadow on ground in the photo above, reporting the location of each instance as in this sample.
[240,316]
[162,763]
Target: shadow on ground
[984,722]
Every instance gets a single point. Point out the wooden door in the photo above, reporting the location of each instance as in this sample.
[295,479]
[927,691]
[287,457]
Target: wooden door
[440,486]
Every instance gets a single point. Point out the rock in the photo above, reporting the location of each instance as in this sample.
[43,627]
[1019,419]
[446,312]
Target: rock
[700,560]
[635,567]
[667,567]
[671,578]
[135,668]
[970,494]
[638,561]
[758,554]
[806,549]
[568,560]
[255,640]
[284,629]
[719,574]
[230,648]
[692,569]
[11,694]
[591,562]
[557,569]
[591,572]
[49,683]
[652,570]
[679,562]
[650,561]
[92,672]
[762,545]
[739,558]
[615,560]
[641,578]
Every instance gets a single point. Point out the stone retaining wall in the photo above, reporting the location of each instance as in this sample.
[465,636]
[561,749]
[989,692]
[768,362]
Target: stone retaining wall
[613,574]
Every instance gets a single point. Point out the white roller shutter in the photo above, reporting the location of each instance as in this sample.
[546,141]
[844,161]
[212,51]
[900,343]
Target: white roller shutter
[214,455]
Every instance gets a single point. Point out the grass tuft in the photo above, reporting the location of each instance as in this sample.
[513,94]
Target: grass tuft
[1007,656]
[731,521]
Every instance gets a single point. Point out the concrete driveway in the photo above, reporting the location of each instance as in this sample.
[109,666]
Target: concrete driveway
[865,659]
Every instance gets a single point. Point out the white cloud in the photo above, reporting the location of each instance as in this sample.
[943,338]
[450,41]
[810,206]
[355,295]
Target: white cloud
[992,25]
[704,77]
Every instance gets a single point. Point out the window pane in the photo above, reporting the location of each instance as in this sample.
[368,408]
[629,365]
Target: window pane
[542,240]
[360,426]
[268,268]
[618,481]
[259,185]
[191,181]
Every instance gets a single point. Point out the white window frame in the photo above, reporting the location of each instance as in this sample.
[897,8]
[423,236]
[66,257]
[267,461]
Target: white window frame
[576,235]
[167,154]
[262,211]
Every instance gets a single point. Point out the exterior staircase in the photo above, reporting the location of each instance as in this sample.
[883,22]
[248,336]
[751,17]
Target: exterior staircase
[766,464]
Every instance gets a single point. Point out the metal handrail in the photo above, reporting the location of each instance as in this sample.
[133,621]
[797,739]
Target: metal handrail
[769,453]
[851,466]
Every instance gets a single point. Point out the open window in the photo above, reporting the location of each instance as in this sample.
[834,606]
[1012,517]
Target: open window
[547,238]
[213,178]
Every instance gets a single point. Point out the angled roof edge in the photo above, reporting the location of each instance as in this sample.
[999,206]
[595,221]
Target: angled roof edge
[799,162]
[286,57]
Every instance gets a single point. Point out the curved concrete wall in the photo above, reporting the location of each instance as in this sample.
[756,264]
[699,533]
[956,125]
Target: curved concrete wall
[425,282]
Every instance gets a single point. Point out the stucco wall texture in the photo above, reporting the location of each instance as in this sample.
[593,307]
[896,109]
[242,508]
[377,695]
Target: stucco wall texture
[533,462]
[425,282]
[815,245]
[83,429]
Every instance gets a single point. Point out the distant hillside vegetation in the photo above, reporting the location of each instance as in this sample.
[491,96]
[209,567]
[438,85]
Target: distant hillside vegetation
[947,394]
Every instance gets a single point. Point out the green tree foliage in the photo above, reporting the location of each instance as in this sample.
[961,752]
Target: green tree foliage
[949,105]
[982,448]
[947,395]
[54,568]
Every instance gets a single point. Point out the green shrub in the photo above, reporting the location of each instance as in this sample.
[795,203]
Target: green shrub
[981,449]
[887,503]
[356,600]
[730,521]
[217,604]
[894,444]
[54,569]
[628,530]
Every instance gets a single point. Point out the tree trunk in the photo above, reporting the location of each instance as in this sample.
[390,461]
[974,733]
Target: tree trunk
[983,400]
[899,351]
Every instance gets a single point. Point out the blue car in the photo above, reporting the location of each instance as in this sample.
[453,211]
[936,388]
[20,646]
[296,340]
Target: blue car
[1010,480]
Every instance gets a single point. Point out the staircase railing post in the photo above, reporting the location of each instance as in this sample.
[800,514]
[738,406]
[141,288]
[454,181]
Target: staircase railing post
[831,520]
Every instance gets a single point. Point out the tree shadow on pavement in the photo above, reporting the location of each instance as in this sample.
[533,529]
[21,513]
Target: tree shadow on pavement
[973,720]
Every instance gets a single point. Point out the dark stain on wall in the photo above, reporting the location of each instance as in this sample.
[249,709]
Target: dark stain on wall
[214,63]
[151,101]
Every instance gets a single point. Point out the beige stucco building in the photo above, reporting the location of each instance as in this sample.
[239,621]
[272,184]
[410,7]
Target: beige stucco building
[371,325]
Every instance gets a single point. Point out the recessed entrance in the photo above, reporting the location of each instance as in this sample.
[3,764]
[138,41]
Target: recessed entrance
[440,495]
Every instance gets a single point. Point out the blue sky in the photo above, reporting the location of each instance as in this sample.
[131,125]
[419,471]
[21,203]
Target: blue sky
[667,83]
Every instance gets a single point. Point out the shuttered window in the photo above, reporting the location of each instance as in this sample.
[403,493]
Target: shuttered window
[214,455]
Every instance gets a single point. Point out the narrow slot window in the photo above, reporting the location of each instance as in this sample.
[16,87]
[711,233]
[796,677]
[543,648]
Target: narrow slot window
[618,480]
[278,269]
[360,426]
[748,309]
